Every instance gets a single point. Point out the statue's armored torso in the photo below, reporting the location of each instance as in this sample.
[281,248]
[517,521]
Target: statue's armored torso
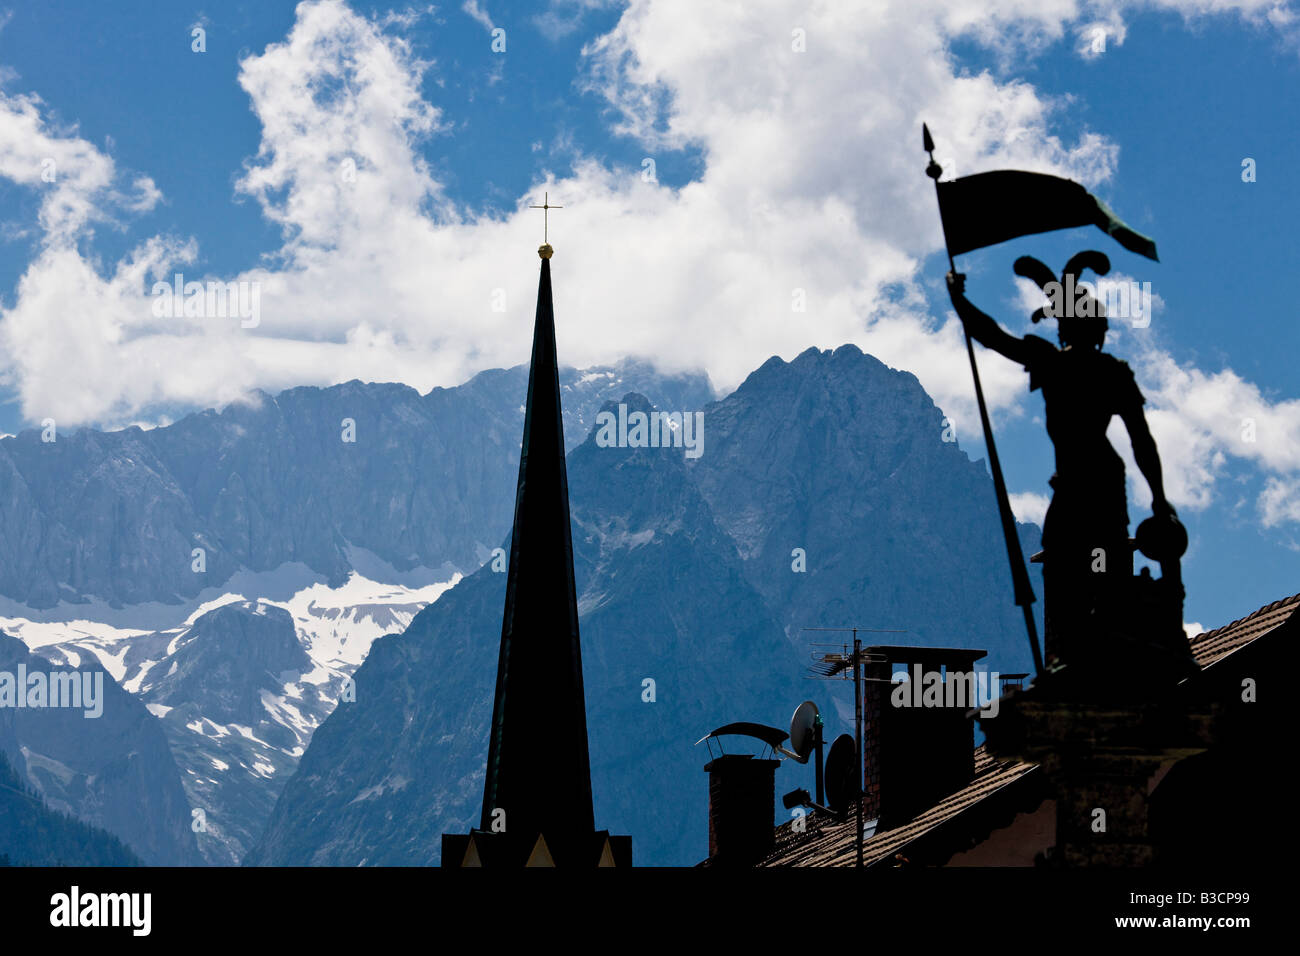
[1083,390]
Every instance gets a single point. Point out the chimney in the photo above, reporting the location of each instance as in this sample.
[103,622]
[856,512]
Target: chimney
[917,747]
[742,804]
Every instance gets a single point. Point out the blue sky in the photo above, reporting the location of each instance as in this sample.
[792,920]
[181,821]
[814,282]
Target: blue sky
[776,169]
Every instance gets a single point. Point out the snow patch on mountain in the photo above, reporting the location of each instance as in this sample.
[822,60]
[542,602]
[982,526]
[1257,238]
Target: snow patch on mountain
[233,769]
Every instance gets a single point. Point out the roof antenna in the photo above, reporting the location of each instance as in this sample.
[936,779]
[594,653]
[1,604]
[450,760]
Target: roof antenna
[838,666]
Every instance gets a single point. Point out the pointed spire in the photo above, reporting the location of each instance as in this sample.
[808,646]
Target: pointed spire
[538,768]
[537,793]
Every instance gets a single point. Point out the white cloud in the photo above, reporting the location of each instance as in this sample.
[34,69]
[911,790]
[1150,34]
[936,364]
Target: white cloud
[1280,501]
[100,331]
[562,17]
[76,178]
[1231,412]
[1029,506]
[381,275]
[1201,421]
[479,14]
[341,115]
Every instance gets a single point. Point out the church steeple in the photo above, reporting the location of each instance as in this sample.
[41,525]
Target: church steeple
[537,805]
[538,770]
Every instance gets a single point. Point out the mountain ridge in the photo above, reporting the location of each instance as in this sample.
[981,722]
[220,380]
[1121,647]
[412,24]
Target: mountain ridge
[299,476]
[806,454]
[652,603]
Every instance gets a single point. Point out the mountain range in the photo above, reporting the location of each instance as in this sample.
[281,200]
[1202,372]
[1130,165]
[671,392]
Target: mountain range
[234,667]
[688,574]
[304,476]
[323,685]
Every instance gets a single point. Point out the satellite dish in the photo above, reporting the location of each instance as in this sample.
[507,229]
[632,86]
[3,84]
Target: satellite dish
[841,783]
[803,731]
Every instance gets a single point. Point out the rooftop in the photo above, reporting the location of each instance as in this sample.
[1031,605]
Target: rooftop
[998,791]
[1209,647]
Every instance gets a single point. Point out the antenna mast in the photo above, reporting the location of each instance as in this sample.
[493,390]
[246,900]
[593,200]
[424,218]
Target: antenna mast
[838,665]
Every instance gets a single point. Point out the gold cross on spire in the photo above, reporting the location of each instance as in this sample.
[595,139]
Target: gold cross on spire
[546,207]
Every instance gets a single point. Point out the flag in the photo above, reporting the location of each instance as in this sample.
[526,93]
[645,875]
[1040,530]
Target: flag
[988,208]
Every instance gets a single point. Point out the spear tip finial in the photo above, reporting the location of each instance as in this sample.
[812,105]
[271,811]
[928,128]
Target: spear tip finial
[933,169]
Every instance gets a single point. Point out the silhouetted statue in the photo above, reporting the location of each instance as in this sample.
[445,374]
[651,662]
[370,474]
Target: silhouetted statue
[1094,609]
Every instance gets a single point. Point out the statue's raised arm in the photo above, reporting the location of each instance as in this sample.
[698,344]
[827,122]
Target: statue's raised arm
[982,328]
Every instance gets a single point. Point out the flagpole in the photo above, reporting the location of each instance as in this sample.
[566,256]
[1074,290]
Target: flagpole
[1023,590]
